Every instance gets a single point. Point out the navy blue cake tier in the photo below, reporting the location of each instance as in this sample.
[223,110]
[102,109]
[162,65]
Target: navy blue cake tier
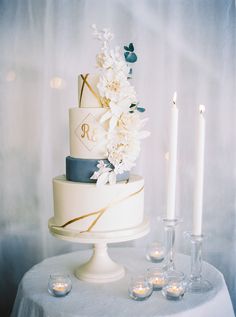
[80,170]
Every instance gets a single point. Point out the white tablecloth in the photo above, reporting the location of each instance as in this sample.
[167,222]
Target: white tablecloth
[103,300]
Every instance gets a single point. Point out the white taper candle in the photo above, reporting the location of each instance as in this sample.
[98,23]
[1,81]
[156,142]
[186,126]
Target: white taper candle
[171,189]
[198,195]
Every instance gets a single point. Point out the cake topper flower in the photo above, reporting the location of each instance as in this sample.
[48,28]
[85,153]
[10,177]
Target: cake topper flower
[119,97]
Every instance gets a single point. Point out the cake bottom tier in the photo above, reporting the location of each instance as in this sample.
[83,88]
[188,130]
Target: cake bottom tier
[86,207]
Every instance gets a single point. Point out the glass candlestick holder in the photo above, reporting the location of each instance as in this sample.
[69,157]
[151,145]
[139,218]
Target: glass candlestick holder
[59,284]
[170,227]
[196,283]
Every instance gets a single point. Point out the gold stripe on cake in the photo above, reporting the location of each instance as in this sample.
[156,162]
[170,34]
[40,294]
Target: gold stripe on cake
[100,212]
[82,89]
[85,82]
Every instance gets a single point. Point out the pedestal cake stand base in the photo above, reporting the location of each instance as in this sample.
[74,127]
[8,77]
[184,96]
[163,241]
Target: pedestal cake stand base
[100,268]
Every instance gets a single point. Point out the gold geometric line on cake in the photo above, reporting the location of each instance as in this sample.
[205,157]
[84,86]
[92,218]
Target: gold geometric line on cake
[85,82]
[82,89]
[100,212]
[112,204]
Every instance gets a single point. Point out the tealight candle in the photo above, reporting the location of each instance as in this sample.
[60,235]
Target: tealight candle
[175,291]
[59,285]
[157,278]
[141,291]
[155,252]
[175,288]
[157,282]
[139,288]
[60,289]
[157,255]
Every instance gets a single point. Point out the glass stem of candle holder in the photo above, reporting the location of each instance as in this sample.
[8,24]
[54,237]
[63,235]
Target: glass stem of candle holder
[169,226]
[196,283]
[196,259]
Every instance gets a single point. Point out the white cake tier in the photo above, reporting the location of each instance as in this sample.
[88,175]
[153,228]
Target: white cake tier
[87,135]
[86,207]
[87,91]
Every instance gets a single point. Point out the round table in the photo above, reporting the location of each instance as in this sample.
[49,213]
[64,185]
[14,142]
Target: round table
[111,299]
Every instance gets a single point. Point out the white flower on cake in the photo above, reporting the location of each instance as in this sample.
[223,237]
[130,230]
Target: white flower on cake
[105,35]
[124,145]
[111,84]
[119,97]
[116,89]
[131,122]
[112,60]
[104,174]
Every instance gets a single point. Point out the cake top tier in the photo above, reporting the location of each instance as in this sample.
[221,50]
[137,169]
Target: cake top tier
[110,88]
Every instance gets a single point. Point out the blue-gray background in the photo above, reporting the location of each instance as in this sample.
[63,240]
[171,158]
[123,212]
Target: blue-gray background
[183,45]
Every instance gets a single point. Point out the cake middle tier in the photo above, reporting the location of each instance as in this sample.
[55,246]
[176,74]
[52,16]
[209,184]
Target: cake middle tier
[80,170]
[86,207]
[88,136]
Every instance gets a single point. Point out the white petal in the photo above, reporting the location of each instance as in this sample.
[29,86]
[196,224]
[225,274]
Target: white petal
[112,178]
[143,134]
[95,175]
[115,109]
[104,169]
[101,164]
[103,179]
[143,122]
[105,117]
[113,122]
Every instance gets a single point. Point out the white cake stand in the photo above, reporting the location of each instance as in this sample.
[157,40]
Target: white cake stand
[100,268]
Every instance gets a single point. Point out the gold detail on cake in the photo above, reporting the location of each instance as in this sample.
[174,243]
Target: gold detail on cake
[85,82]
[85,129]
[82,89]
[100,212]
[89,132]
[105,102]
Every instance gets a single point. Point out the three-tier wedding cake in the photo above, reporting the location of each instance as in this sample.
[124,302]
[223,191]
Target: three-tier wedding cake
[98,192]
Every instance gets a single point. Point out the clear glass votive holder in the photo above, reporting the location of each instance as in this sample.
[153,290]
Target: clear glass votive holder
[157,277]
[139,288]
[59,284]
[155,252]
[175,287]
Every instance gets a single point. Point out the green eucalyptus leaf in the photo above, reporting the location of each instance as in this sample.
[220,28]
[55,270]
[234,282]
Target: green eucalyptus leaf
[131,47]
[126,54]
[130,57]
[126,48]
[140,109]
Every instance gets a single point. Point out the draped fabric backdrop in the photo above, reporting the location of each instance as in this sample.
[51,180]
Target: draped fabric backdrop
[182,45]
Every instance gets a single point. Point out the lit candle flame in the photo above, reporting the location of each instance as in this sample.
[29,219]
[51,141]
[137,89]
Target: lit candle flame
[202,108]
[175,97]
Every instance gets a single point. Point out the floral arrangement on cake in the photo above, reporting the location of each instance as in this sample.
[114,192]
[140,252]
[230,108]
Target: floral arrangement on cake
[123,110]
